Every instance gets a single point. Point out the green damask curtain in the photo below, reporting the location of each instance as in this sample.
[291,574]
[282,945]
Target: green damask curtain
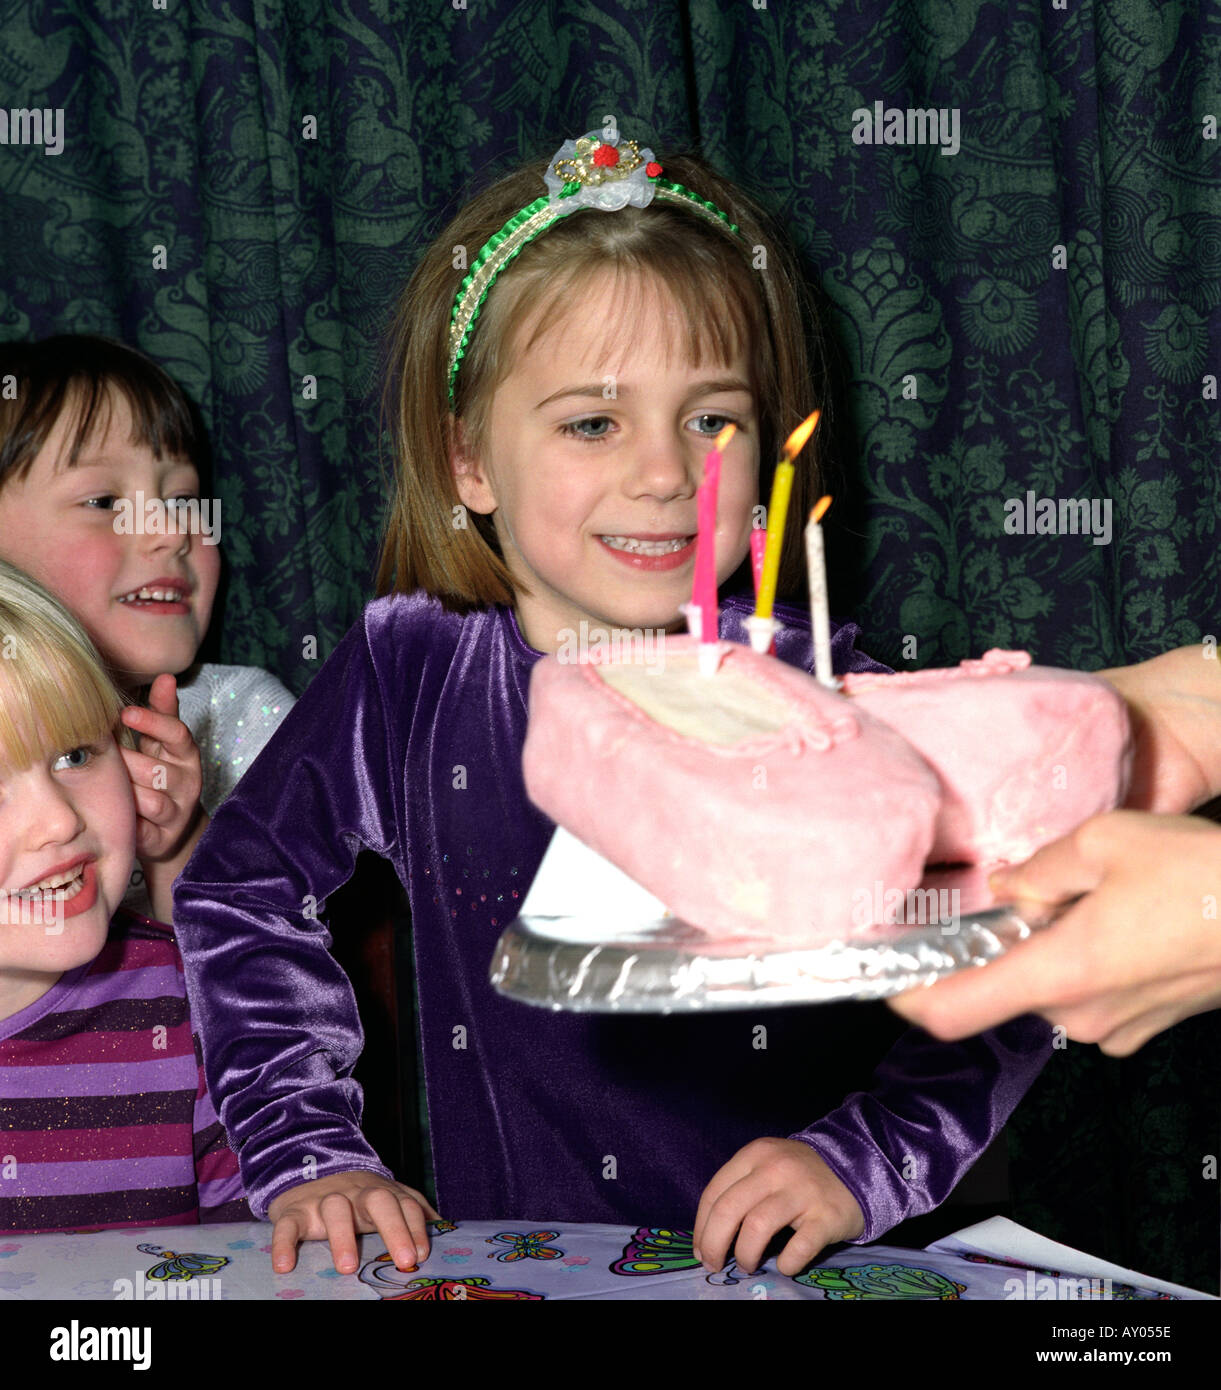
[1036,312]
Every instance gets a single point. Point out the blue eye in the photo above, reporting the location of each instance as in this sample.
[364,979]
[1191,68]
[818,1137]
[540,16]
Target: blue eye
[73,759]
[712,424]
[593,427]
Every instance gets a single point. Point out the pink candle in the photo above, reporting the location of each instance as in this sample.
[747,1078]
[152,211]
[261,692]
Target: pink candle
[758,544]
[704,586]
[703,592]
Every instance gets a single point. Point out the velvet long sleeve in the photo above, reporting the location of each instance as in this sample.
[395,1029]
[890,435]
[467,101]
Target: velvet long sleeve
[277,1014]
[933,1108]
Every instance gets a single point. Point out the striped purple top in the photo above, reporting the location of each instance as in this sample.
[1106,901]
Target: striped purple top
[105,1119]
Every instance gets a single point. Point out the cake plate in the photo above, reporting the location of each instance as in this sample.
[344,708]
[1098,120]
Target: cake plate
[591,940]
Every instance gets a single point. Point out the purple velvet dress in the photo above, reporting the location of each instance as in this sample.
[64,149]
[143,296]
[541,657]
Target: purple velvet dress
[408,743]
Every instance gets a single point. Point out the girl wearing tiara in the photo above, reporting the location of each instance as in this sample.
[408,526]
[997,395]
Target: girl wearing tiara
[553,402]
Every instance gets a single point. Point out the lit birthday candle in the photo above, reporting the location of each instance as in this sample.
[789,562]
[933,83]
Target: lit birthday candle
[820,617]
[703,592]
[762,626]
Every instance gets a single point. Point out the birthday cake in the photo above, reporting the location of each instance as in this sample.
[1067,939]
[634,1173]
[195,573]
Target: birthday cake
[1023,753]
[752,802]
[756,803]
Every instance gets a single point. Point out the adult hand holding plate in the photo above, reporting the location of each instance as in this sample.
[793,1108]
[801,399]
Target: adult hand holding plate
[1138,951]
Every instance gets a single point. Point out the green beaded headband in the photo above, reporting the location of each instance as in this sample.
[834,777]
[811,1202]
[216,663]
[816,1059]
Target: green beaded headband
[587,173]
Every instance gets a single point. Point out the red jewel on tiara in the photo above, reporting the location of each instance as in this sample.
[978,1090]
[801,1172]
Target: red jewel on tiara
[606,156]
[652,169]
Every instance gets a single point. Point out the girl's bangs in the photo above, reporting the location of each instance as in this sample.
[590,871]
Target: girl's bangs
[50,704]
[703,323]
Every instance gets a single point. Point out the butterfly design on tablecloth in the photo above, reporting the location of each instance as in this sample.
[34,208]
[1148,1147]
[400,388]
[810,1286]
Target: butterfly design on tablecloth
[395,1285]
[461,1291]
[442,1228]
[1120,1293]
[525,1247]
[659,1250]
[865,1282]
[181,1267]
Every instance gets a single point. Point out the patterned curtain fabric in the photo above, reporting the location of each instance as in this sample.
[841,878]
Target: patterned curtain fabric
[1025,298]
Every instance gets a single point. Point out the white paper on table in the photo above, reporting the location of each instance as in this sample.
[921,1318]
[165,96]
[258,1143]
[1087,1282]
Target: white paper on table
[575,881]
[1001,1238]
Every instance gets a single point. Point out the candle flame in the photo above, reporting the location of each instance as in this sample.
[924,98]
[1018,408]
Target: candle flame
[721,443]
[819,510]
[794,444]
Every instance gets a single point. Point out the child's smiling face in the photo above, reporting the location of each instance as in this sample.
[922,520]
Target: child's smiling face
[67,822]
[58,525]
[595,447]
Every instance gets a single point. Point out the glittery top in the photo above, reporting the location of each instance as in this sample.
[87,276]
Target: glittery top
[105,1111]
[409,743]
[231,712]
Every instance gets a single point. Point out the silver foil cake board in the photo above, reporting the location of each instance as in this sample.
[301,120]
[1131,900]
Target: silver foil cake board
[591,940]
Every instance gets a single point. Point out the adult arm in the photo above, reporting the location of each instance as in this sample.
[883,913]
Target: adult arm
[1174,702]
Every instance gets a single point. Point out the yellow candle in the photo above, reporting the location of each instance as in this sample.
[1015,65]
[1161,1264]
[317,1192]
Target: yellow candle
[777,511]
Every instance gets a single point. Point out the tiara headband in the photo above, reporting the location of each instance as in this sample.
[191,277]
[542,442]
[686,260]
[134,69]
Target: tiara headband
[587,173]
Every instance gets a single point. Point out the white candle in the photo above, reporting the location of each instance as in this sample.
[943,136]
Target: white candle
[820,615]
[762,633]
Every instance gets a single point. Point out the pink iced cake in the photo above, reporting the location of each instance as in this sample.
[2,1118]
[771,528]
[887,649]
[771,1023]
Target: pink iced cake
[751,801]
[1024,753]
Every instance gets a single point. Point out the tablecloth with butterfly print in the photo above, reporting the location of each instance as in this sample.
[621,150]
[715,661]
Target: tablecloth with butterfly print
[517,1261]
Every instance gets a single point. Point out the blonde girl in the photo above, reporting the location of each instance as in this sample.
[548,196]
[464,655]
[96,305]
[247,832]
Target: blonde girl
[107,1121]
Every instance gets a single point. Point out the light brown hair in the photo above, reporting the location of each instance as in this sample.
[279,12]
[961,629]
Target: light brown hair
[730,291]
[84,373]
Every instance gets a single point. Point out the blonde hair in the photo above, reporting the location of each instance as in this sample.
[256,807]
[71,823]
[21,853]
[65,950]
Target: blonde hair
[731,292]
[55,693]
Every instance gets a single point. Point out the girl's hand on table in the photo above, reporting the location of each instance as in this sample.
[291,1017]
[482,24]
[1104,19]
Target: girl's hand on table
[335,1208]
[766,1186]
[1139,952]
